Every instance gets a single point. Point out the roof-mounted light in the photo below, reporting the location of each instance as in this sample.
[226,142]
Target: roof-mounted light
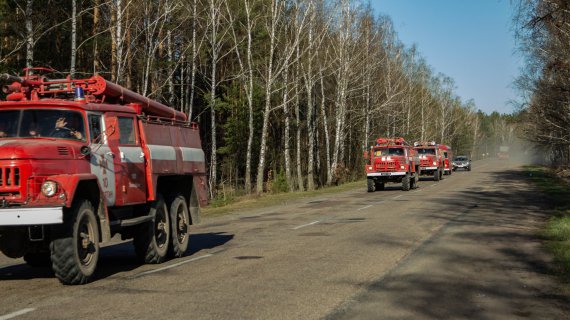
[79,94]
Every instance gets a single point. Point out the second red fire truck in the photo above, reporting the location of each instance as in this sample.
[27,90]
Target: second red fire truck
[432,160]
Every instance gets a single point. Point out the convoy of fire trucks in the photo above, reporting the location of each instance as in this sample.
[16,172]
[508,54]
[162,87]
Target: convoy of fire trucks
[83,160]
[395,160]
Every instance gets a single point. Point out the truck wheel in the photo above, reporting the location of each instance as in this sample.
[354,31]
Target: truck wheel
[379,186]
[370,185]
[415,181]
[152,239]
[180,226]
[75,253]
[436,175]
[406,182]
[38,259]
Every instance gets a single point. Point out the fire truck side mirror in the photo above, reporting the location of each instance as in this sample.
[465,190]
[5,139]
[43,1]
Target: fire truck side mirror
[111,130]
[85,150]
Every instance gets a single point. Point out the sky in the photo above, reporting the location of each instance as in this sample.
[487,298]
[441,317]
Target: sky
[469,40]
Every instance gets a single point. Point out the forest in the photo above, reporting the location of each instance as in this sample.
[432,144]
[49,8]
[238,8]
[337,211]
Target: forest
[288,93]
[543,32]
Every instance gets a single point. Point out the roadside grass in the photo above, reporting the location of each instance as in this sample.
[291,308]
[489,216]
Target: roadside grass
[557,230]
[231,202]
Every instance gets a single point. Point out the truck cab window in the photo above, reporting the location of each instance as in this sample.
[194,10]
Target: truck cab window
[95,128]
[127,130]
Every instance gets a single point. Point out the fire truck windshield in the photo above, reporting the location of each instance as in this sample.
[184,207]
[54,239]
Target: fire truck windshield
[426,151]
[388,152]
[34,123]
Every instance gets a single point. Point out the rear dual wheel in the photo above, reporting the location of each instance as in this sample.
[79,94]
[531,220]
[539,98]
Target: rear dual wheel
[180,226]
[153,238]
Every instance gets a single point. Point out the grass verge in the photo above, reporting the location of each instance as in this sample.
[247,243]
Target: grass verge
[557,230]
[245,202]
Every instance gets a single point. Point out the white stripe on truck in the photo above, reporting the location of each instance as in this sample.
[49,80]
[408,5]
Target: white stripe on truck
[192,154]
[162,152]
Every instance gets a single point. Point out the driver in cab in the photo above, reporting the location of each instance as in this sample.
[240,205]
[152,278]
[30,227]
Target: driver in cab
[62,131]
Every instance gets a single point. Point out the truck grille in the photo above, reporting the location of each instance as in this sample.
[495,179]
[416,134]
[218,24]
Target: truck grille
[9,177]
[386,165]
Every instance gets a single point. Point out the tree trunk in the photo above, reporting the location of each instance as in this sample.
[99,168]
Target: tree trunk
[29,35]
[268,90]
[96,21]
[73,38]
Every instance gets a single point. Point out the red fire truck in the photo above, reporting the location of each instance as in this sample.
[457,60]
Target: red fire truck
[392,160]
[83,160]
[431,157]
[447,158]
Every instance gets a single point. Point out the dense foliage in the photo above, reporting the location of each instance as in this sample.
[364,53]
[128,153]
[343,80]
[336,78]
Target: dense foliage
[543,30]
[287,93]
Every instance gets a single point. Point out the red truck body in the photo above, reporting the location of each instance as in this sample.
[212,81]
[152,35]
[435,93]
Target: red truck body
[447,158]
[118,163]
[392,160]
[432,160]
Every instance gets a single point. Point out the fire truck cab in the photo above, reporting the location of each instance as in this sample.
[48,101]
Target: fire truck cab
[392,160]
[432,161]
[83,160]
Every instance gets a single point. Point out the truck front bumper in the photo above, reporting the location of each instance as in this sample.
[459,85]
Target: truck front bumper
[428,168]
[386,174]
[31,216]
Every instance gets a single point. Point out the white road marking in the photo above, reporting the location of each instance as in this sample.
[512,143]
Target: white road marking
[306,225]
[171,266]
[431,185]
[396,197]
[366,207]
[17,313]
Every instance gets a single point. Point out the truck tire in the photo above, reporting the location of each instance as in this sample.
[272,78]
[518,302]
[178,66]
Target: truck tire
[153,237]
[179,226]
[415,181]
[74,254]
[379,186]
[406,182]
[370,185]
[441,171]
[436,175]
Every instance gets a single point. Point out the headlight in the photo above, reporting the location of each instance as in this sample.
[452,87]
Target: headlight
[49,188]
[402,167]
[369,167]
[435,163]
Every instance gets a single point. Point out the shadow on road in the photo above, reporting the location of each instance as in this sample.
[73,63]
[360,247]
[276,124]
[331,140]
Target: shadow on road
[117,258]
[487,259]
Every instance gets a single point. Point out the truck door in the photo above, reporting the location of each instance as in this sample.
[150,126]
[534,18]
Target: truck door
[129,160]
[101,160]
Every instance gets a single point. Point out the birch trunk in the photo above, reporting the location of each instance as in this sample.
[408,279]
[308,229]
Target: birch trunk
[268,91]
[326,130]
[29,35]
[73,38]
[96,21]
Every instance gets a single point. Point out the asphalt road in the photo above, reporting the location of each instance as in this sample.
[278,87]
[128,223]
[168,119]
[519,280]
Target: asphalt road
[462,248]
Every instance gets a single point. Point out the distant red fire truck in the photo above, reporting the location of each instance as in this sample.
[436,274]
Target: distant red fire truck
[392,160]
[447,158]
[432,161]
[83,160]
